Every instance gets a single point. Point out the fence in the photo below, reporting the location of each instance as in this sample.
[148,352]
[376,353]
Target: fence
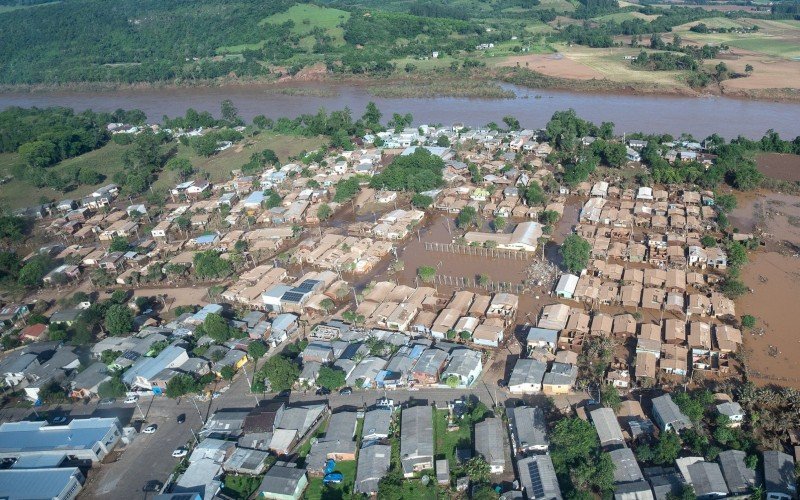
[494,253]
[489,285]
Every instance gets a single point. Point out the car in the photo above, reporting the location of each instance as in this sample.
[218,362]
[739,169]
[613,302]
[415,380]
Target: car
[323,391]
[180,452]
[58,420]
[153,486]
[181,418]
[345,391]
[284,394]
[131,399]
[108,401]
[150,429]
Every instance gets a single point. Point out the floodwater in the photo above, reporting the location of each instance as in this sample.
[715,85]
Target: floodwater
[700,116]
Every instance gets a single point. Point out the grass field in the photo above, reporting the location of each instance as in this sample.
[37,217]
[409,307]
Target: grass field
[774,38]
[318,491]
[106,160]
[625,16]
[306,17]
[556,5]
[219,166]
[447,442]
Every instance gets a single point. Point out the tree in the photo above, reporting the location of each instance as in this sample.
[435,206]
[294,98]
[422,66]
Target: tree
[708,241]
[372,116]
[34,270]
[725,202]
[256,350]
[426,273]
[209,264]
[733,288]
[217,327]
[610,397]
[331,378]
[737,254]
[548,217]
[748,68]
[281,372]
[484,279]
[499,223]
[118,319]
[575,253]
[511,122]
[327,305]
[227,372]
[748,321]
[182,166]
[180,385]
[453,381]
[38,154]
[113,388]
[108,356]
[421,201]
[667,449]
[467,217]
[442,141]
[229,112]
[534,194]
[324,211]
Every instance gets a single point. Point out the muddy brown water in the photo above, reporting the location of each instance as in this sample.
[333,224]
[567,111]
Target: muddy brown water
[785,167]
[700,116]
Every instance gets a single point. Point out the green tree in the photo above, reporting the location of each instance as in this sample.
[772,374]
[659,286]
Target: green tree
[209,264]
[281,372]
[108,356]
[708,241]
[737,254]
[534,194]
[324,211]
[38,154]
[180,385]
[227,372]
[499,223]
[467,217]
[575,253]
[372,116]
[182,166]
[229,112]
[421,201]
[118,319]
[327,305]
[733,288]
[331,378]
[610,397]
[748,321]
[725,202]
[256,350]
[426,273]
[511,122]
[218,328]
[548,217]
[113,388]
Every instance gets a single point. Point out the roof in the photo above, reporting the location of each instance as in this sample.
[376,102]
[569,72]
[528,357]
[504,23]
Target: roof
[35,437]
[376,423]
[200,477]
[489,441]
[779,473]
[416,434]
[542,335]
[707,479]
[626,469]
[538,478]
[527,371]
[669,413]
[607,426]
[281,479]
[91,377]
[528,426]
[373,462]
[738,476]
[19,484]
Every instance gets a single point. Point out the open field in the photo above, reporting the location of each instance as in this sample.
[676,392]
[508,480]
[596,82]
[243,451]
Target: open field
[556,5]
[448,441]
[219,166]
[308,17]
[17,193]
[625,16]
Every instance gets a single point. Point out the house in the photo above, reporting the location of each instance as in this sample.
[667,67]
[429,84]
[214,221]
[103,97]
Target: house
[739,478]
[537,476]
[85,439]
[465,365]
[629,481]
[86,383]
[525,237]
[283,481]
[668,416]
[32,333]
[376,424]
[143,372]
[779,477]
[416,440]
[560,378]
[56,483]
[246,461]
[733,411]
[373,464]
[528,429]
[607,427]
[489,444]
[429,366]
[707,480]
[337,444]
[542,338]
[526,377]
[566,286]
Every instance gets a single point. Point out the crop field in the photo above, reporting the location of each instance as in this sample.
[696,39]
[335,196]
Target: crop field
[307,17]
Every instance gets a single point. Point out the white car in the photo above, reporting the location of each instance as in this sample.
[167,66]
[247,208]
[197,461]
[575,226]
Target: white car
[180,452]
[131,399]
[150,429]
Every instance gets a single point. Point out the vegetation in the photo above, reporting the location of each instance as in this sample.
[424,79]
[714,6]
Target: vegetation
[420,171]
[281,372]
[575,253]
[331,378]
[427,273]
[579,462]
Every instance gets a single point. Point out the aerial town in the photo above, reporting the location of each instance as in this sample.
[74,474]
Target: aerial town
[433,312]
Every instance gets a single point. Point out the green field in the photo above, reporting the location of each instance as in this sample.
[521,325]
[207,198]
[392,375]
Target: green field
[769,46]
[307,17]
[318,491]
[556,5]
[106,160]
[624,16]
[447,442]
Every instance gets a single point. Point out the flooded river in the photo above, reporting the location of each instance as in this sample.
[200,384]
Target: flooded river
[670,114]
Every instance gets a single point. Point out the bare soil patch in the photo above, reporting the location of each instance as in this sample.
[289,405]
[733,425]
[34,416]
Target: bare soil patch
[768,72]
[785,167]
[556,65]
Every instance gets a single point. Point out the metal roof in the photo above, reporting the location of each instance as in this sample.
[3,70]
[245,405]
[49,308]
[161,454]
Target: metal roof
[19,484]
[607,426]
[538,478]
[34,437]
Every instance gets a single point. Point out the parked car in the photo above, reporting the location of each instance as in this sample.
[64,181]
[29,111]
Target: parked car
[284,394]
[108,401]
[150,429]
[58,420]
[180,452]
[181,418]
[153,486]
[345,391]
[323,391]
[131,400]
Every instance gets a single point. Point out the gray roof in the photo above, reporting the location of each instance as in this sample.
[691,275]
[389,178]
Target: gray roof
[17,362]
[226,421]
[19,484]
[528,427]
[778,473]
[416,436]
[35,437]
[730,409]
[668,413]
[738,476]
[707,479]
[527,371]
[147,368]
[607,426]
[376,423]
[463,362]
[665,481]
[536,334]
[246,460]
[637,490]
[561,374]
[373,462]
[538,477]
[299,417]
[281,479]
[94,375]
[430,362]
[489,441]
[626,469]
